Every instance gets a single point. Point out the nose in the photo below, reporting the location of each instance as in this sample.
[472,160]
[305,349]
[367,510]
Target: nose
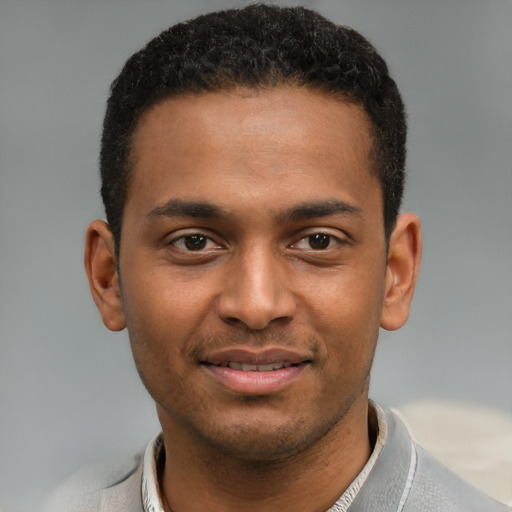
[256,291]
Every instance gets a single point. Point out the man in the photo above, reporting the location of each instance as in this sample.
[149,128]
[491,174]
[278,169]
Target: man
[252,170]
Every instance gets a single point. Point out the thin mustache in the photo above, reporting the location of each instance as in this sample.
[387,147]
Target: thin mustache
[197,350]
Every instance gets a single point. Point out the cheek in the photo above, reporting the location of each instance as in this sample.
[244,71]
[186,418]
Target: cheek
[156,343]
[163,313]
[351,298]
[347,317]
[164,304]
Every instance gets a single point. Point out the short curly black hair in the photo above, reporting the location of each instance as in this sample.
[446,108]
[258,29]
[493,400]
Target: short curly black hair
[259,46]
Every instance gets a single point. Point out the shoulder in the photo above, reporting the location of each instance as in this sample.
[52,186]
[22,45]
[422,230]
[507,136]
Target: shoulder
[111,485]
[473,440]
[435,488]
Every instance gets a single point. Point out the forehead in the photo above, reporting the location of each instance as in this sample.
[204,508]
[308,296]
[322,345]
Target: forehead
[245,142]
[292,111]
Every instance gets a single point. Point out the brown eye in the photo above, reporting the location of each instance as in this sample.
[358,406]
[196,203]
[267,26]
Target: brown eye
[319,241]
[195,242]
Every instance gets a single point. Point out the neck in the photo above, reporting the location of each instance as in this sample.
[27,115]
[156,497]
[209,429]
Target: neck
[198,477]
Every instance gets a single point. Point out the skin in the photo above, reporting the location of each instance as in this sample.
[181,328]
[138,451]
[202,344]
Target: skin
[253,231]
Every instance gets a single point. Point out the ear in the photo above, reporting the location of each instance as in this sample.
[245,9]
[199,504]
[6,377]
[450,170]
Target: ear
[100,267]
[404,256]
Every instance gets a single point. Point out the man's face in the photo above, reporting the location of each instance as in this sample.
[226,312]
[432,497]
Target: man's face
[253,266]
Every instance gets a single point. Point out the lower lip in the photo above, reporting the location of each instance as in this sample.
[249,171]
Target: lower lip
[255,383]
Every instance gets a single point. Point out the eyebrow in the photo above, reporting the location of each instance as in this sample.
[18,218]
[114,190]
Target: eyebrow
[311,210]
[180,208]
[206,210]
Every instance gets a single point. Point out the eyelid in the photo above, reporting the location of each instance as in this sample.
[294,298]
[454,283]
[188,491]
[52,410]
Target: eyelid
[177,241]
[181,234]
[339,237]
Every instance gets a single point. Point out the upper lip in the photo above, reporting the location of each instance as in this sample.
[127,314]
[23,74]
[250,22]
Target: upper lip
[250,356]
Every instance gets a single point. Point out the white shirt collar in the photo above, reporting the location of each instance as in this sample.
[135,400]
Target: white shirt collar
[151,496]
[346,499]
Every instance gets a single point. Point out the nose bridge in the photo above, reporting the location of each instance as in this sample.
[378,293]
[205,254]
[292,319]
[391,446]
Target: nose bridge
[255,292]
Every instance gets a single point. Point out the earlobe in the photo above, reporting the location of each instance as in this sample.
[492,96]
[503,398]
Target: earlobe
[100,267]
[404,256]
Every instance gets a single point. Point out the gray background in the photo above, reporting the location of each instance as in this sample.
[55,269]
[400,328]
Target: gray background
[68,389]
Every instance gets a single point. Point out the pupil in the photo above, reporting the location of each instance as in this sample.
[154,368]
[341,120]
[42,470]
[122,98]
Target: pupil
[319,241]
[195,242]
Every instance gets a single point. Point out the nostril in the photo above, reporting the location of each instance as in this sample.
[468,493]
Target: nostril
[233,321]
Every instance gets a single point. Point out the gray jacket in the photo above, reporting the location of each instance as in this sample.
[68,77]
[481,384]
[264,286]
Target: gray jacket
[405,478]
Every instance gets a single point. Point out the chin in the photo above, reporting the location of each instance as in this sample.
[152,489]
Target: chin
[248,444]
[260,441]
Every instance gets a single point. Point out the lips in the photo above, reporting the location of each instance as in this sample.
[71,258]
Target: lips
[247,372]
[244,367]
[247,356]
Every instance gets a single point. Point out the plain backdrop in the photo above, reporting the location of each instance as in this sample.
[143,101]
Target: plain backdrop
[69,393]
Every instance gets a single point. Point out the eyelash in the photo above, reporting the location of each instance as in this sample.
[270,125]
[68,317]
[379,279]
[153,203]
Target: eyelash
[331,241]
[199,242]
[195,238]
